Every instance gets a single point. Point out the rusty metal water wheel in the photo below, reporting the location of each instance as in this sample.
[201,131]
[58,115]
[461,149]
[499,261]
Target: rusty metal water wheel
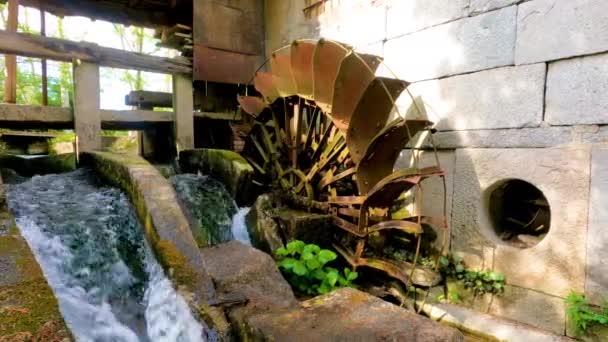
[322,136]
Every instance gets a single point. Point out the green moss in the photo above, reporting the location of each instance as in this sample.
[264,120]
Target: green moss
[229,167]
[215,318]
[28,306]
[176,262]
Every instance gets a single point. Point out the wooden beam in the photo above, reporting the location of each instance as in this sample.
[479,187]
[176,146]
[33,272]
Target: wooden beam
[29,45]
[183,105]
[152,15]
[39,117]
[149,99]
[10,83]
[29,117]
[87,117]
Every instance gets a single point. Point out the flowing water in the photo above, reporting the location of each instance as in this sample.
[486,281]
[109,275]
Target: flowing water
[92,250]
[211,207]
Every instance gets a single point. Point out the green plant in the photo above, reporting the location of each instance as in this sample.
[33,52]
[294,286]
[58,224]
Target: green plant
[305,267]
[480,282]
[582,315]
[453,297]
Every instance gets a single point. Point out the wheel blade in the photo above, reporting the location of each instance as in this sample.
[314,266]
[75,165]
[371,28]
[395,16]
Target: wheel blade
[327,58]
[252,105]
[357,72]
[382,152]
[302,53]
[371,114]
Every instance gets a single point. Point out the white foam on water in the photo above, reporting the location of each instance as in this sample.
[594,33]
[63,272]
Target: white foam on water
[239,226]
[167,314]
[87,321]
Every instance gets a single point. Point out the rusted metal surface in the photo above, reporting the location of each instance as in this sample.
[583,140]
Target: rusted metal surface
[357,71]
[382,152]
[264,83]
[252,104]
[405,226]
[280,65]
[372,113]
[302,53]
[399,270]
[389,188]
[325,145]
[326,64]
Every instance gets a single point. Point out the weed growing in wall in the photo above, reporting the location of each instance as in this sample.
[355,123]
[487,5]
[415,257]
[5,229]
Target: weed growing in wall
[582,315]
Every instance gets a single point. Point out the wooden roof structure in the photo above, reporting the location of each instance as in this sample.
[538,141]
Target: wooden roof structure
[146,13]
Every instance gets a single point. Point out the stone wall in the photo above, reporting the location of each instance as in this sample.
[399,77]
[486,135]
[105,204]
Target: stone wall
[517,89]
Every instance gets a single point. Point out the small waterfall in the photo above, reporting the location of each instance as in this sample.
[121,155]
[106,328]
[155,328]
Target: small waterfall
[92,250]
[239,226]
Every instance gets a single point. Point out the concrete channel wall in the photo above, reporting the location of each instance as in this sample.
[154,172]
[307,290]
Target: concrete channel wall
[517,89]
[166,227]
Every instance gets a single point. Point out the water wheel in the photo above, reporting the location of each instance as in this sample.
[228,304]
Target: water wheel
[322,135]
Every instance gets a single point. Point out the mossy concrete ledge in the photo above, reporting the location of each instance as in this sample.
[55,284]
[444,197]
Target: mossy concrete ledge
[29,310]
[227,166]
[166,227]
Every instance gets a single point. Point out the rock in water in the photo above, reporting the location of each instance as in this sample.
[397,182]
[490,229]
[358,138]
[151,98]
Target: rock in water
[209,206]
[263,229]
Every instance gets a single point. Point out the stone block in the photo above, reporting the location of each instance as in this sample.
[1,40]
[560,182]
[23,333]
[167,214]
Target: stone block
[530,307]
[505,138]
[263,230]
[576,91]
[554,29]
[554,266]
[343,23]
[470,44]
[596,286]
[489,327]
[346,315]
[305,226]
[509,97]
[243,271]
[482,6]
[285,21]
[404,17]
[227,166]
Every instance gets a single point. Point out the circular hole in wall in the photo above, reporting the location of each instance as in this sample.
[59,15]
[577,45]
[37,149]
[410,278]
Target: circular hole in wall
[519,212]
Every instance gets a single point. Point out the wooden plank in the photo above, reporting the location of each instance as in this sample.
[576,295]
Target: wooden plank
[183,105]
[87,118]
[24,44]
[10,61]
[147,13]
[219,116]
[28,117]
[149,99]
[223,66]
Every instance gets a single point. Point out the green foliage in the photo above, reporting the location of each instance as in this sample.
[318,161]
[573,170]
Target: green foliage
[582,315]
[480,282]
[305,266]
[452,298]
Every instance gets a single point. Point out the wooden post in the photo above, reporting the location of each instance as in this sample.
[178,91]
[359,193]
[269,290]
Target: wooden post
[45,90]
[183,105]
[87,117]
[10,83]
